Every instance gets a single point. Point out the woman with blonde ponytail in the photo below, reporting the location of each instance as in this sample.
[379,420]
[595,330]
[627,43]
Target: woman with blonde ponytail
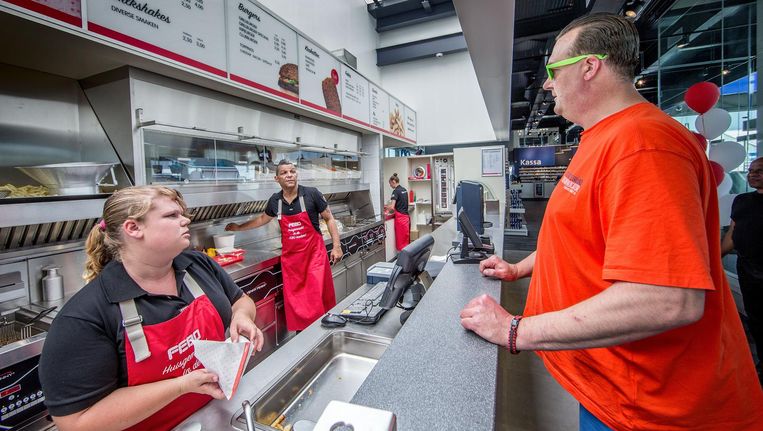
[120,354]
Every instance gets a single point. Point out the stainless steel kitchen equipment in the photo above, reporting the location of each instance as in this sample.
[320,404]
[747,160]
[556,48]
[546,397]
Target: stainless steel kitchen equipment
[75,178]
[21,396]
[52,284]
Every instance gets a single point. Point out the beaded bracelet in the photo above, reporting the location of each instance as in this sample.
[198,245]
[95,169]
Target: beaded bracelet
[513,334]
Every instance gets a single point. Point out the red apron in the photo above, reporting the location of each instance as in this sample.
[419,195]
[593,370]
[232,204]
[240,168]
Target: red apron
[308,286]
[402,230]
[172,355]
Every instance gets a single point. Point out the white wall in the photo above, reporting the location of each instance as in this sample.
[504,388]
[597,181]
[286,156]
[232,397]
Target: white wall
[446,96]
[335,24]
[425,30]
[467,163]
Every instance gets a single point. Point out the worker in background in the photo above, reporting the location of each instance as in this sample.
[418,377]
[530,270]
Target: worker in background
[398,206]
[308,285]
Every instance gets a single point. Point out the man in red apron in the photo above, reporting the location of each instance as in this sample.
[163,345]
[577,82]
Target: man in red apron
[308,285]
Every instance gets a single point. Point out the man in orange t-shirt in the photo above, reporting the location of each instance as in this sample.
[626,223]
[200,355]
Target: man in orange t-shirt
[628,306]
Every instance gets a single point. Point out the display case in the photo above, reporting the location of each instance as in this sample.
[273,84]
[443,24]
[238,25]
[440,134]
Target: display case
[174,158]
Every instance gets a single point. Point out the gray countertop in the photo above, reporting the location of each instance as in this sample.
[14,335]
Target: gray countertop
[435,374]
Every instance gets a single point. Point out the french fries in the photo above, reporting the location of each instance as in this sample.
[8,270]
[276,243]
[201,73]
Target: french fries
[396,124]
[25,191]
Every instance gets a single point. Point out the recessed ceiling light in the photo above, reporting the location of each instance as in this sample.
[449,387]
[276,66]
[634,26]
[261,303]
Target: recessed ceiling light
[439,54]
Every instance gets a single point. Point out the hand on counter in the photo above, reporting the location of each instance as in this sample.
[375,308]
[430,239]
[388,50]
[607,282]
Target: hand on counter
[496,267]
[200,382]
[487,318]
[233,227]
[336,254]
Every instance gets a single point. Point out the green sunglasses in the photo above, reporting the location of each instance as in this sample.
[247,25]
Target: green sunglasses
[568,61]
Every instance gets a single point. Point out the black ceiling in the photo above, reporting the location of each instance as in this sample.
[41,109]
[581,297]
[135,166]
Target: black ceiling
[537,22]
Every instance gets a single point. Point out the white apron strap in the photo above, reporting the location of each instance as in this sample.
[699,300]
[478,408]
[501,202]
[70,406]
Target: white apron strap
[133,322]
[280,206]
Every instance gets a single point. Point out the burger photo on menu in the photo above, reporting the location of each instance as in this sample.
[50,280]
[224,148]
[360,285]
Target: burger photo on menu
[331,95]
[288,79]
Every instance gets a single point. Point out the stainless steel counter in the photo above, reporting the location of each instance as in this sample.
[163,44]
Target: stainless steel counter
[217,414]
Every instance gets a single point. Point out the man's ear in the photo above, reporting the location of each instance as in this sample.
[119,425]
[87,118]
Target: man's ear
[132,229]
[592,67]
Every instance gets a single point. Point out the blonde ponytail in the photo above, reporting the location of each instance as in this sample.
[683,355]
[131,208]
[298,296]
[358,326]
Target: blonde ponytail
[98,254]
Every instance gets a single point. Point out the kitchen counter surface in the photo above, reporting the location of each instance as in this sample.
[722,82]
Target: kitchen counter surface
[434,374]
[218,414]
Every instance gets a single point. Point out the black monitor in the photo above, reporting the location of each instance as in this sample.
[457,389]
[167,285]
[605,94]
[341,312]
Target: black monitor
[470,197]
[410,263]
[479,249]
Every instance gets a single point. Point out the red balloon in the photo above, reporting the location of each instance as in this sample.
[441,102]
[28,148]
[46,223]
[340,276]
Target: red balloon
[701,140]
[702,96]
[718,172]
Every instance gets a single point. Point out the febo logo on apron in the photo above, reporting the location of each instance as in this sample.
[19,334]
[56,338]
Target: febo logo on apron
[308,287]
[165,350]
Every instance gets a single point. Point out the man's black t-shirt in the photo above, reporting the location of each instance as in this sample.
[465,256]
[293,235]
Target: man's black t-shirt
[84,358]
[747,213]
[314,201]
[400,196]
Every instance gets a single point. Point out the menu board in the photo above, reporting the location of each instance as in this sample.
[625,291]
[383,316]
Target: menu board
[69,11]
[396,117]
[410,123]
[319,83]
[355,95]
[262,50]
[191,32]
[379,107]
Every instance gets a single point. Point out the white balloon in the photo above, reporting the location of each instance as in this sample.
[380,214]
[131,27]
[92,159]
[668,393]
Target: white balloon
[727,154]
[724,208]
[713,123]
[725,186]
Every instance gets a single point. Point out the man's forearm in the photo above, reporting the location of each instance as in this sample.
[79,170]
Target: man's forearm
[334,232]
[256,222]
[623,313]
[525,266]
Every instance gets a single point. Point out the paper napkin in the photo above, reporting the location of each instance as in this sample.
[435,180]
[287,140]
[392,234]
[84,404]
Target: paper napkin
[226,359]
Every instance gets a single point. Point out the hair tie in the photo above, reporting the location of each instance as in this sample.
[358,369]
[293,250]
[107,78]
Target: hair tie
[102,225]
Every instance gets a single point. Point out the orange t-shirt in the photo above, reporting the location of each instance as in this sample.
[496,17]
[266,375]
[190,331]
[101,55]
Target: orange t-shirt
[638,203]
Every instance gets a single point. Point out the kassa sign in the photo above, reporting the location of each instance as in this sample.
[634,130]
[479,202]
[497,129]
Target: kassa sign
[534,156]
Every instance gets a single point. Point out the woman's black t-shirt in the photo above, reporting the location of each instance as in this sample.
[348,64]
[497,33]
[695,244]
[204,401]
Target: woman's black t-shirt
[400,196]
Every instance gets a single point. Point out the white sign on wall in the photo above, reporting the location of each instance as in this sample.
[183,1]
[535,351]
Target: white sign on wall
[396,117]
[191,32]
[379,107]
[410,123]
[262,50]
[319,85]
[355,95]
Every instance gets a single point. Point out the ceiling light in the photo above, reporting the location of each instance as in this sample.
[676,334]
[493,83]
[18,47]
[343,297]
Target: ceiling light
[682,43]
[439,54]
[725,72]
[630,13]
[640,83]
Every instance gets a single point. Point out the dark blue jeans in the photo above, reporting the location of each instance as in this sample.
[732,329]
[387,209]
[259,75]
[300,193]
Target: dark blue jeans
[588,422]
